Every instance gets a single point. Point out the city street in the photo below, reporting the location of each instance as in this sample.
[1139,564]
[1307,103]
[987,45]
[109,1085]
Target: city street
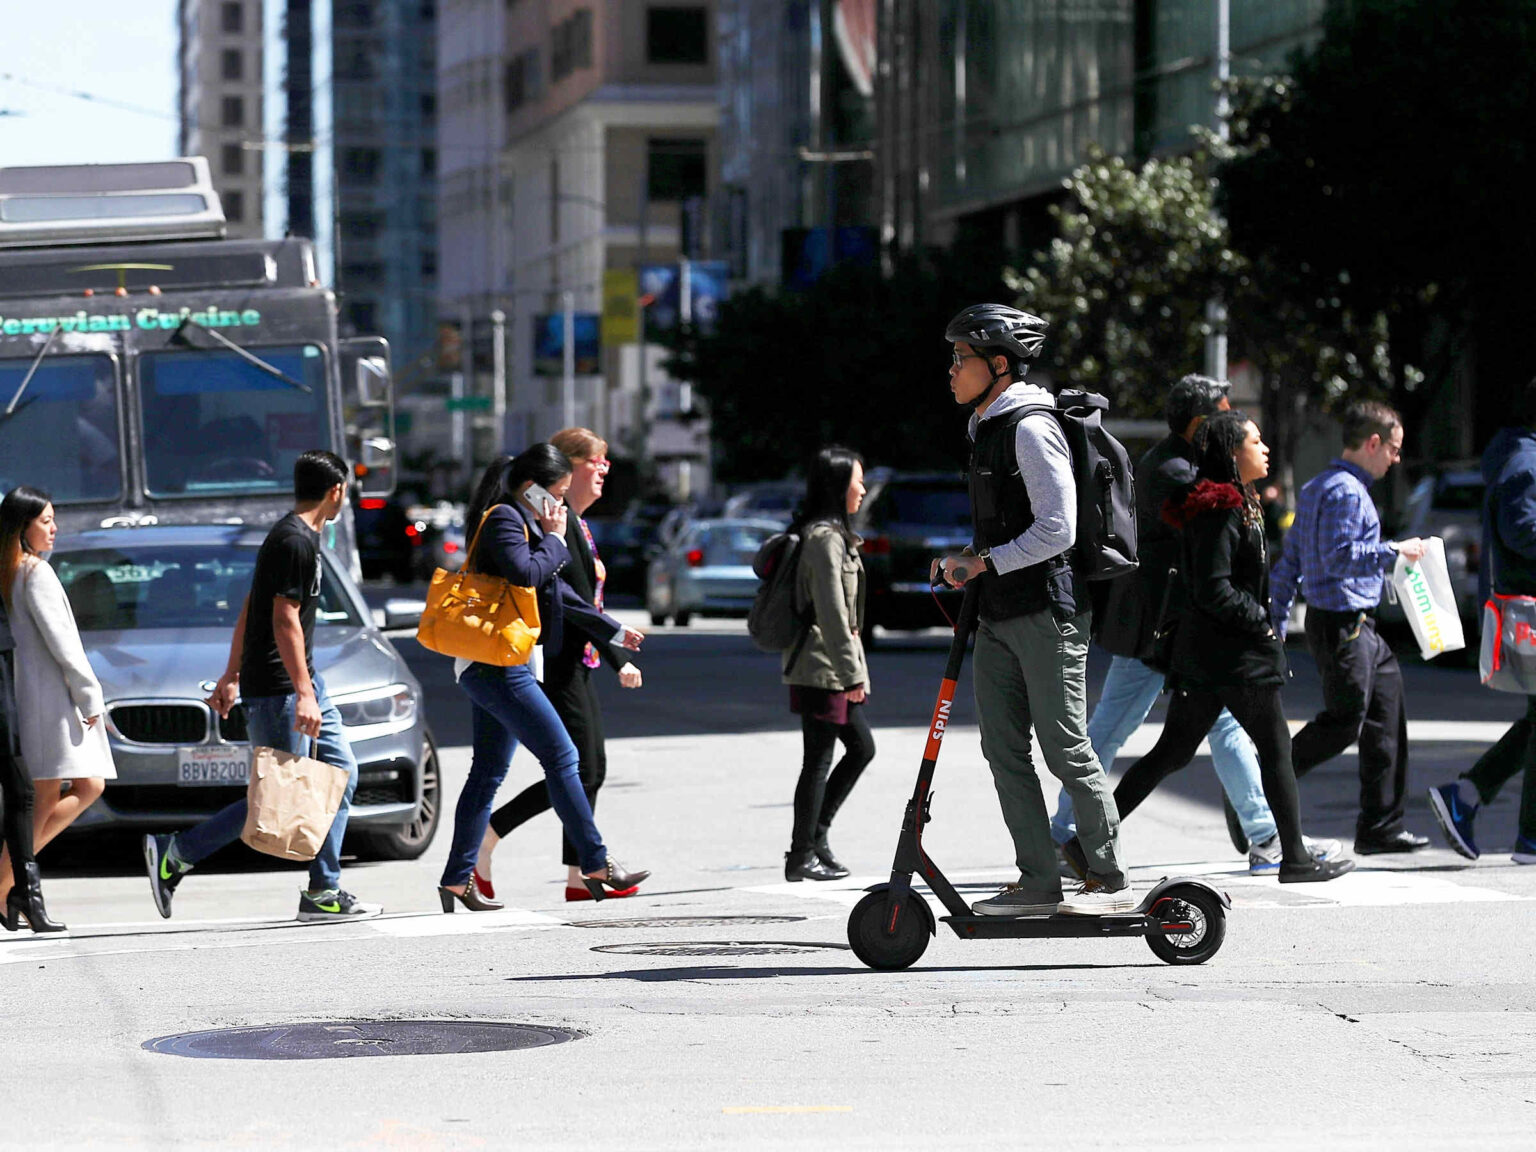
[721,1008]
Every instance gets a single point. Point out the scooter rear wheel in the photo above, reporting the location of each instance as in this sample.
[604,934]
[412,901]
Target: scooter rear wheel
[903,947]
[1198,922]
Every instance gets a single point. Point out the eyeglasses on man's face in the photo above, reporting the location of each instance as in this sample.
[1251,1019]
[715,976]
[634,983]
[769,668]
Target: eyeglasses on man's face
[958,358]
[601,463]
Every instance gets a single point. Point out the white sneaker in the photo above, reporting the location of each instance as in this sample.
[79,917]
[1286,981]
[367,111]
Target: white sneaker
[1016,901]
[1264,859]
[1093,899]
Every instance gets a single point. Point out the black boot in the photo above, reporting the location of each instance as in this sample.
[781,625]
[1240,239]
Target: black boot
[26,900]
[804,865]
[824,854]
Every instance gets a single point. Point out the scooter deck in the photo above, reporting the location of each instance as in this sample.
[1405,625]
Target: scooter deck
[1039,927]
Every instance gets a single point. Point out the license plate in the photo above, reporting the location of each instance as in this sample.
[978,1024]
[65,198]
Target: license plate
[213,766]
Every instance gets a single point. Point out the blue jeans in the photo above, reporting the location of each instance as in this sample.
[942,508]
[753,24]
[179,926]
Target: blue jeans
[269,721]
[1130,689]
[510,706]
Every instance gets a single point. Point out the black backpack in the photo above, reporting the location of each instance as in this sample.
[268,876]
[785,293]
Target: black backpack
[1106,485]
[774,623]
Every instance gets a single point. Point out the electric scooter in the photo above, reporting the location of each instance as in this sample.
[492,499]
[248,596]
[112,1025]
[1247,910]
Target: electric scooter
[1183,919]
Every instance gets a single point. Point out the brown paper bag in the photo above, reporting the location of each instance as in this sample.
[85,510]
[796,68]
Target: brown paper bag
[291,803]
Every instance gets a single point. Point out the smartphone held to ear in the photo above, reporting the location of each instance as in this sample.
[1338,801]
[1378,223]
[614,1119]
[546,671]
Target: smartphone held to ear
[540,499]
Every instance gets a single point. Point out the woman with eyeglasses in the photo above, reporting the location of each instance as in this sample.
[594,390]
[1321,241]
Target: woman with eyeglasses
[568,673]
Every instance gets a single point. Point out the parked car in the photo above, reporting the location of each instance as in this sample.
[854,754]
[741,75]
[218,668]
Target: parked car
[907,520]
[1448,502]
[156,606]
[774,500]
[708,570]
[437,537]
[383,538]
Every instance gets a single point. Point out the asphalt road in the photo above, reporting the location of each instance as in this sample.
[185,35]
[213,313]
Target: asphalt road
[721,1008]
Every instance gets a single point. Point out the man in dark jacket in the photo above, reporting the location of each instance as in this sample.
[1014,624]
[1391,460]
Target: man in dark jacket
[1509,569]
[1135,677]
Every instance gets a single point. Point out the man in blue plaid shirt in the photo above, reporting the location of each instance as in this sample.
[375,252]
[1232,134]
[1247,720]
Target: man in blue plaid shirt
[1335,553]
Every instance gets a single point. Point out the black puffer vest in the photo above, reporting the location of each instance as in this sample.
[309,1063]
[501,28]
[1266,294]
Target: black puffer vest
[1000,512]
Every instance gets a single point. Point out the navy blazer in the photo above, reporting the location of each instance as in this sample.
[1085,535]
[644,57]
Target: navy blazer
[514,547]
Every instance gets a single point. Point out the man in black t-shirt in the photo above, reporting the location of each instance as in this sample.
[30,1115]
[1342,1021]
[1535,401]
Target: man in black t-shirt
[271,667]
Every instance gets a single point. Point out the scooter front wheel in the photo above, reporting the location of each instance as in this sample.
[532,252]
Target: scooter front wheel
[1188,925]
[900,948]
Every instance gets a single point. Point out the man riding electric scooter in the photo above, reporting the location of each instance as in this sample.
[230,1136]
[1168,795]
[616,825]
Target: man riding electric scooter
[1032,638]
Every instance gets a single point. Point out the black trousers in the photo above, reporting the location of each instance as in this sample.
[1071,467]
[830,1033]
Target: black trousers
[817,795]
[575,702]
[15,784]
[1362,700]
[1190,716]
[1515,753]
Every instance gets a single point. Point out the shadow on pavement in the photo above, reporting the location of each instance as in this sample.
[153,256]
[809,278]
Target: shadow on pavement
[725,972]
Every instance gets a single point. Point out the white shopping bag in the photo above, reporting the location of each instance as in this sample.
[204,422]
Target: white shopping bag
[1424,589]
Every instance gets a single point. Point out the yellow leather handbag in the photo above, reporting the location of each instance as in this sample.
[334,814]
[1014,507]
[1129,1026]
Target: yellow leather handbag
[487,619]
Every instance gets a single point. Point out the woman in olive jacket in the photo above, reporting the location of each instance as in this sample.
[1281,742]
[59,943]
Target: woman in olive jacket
[827,675]
[1225,654]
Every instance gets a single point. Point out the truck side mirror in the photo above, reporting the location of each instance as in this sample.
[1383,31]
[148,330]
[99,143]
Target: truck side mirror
[373,383]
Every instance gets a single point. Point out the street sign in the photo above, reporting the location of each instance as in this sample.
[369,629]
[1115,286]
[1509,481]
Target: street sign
[468,403]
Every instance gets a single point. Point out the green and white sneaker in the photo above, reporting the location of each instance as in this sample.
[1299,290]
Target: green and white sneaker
[165,870]
[334,904]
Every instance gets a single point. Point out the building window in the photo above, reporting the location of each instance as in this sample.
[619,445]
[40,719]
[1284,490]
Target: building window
[232,111]
[363,274]
[429,162]
[231,64]
[231,159]
[360,164]
[355,14]
[358,226]
[514,88]
[429,104]
[363,315]
[571,47]
[234,206]
[429,263]
[677,35]
[231,18]
[677,169]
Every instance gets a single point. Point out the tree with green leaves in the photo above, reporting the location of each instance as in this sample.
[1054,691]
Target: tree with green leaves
[858,358]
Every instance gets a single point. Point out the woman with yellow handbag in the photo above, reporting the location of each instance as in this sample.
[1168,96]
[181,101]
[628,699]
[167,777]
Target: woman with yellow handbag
[519,545]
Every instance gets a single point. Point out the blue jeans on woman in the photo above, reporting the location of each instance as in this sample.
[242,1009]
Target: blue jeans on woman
[269,722]
[1130,689]
[510,707]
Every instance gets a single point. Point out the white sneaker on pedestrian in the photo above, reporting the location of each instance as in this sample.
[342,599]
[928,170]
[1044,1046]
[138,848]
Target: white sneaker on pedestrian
[1264,859]
[1016,901]
[1094,899]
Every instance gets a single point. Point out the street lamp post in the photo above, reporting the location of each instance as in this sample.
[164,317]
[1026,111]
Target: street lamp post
[568,358]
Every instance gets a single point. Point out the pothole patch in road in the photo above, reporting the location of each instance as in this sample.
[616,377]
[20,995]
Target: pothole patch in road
[337,1039]
[720,948]
[686,921]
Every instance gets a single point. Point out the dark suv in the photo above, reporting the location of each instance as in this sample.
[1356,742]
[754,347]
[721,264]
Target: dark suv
[908,519]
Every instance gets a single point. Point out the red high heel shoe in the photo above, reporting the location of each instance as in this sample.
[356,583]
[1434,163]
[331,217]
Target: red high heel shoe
[582,894]
[484,885]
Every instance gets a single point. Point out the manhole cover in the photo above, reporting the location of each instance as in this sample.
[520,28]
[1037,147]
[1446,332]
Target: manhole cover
[719,948]
[686,921]
[332,1039]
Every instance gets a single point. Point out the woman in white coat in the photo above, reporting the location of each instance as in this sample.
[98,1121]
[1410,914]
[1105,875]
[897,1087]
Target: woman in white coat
[59,701]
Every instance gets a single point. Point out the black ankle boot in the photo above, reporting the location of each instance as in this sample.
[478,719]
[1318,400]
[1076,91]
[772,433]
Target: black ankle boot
[804,865]
[824,854]
[26,900]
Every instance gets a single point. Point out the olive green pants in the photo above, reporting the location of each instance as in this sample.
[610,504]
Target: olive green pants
[1032,670]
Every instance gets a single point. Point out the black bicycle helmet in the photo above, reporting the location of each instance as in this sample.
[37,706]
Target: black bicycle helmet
[998,326]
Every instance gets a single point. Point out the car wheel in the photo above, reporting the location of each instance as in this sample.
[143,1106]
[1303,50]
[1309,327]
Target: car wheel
[408,841]
[682,618]
[658,619]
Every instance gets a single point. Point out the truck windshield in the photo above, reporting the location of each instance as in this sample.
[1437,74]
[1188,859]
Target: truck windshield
[216,424]
[62,435]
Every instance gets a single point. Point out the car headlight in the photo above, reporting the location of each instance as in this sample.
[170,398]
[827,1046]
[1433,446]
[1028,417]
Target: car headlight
[395,704]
